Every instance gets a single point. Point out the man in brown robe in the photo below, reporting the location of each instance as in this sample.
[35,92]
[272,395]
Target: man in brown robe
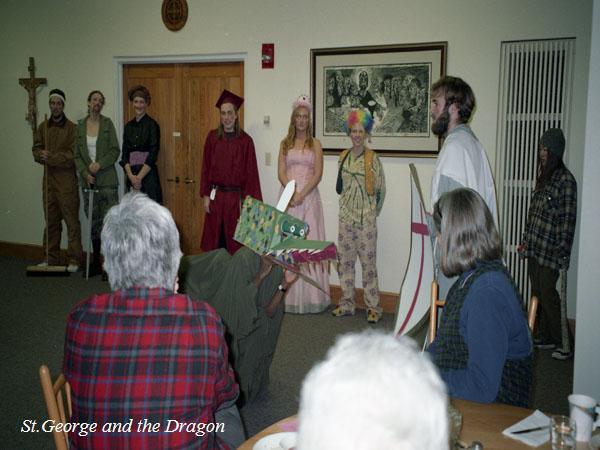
[59,188]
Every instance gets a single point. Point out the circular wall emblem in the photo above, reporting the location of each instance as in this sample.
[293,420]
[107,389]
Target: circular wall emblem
[174,14]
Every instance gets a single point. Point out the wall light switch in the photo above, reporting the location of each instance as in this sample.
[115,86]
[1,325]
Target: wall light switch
[268,159]
[267,120]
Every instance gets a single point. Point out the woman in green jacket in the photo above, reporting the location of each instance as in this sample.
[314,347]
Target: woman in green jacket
[96,152]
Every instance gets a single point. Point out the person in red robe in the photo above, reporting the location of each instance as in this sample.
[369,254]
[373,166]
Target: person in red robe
[229,174]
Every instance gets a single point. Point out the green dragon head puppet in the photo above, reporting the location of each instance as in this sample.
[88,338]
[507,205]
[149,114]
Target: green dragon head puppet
[271,232]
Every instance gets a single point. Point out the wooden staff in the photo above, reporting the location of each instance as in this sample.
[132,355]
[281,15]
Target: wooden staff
[564,324]
[46,185]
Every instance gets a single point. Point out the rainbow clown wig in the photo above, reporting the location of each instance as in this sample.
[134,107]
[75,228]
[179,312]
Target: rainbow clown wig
[361,116]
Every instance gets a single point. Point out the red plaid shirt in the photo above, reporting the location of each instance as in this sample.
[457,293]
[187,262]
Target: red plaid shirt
[147,354]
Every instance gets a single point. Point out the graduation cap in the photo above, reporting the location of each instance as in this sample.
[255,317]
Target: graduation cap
[229,97]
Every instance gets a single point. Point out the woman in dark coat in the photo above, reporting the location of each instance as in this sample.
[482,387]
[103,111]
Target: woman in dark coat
[548,239]
[141,141]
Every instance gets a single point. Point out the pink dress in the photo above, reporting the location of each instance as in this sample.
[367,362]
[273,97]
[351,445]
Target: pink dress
[302,297]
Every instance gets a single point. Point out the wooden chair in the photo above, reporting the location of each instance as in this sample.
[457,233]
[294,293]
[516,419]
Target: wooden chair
[531,312]
[433,310]
[55,395]
[437,303]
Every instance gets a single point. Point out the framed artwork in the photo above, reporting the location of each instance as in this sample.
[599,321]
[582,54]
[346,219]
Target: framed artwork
[391,81]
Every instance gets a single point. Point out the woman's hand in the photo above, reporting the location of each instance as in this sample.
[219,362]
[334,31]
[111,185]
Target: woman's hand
[93,168]
[297,199]
[207,204]
[135,181]
[90,179]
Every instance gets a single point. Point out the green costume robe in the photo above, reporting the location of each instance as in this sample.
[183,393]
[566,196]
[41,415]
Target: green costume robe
[226,283]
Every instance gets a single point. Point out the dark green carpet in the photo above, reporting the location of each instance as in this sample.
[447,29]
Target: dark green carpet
[32,324]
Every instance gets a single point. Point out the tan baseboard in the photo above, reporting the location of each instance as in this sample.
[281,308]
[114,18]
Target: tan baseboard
[387,300]
[27,251]
[22,251]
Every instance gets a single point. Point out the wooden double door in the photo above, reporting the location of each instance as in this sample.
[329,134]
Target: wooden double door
[183,104]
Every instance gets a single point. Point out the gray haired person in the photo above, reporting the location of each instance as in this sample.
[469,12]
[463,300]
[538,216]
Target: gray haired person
[143,350]
[140,244]
[373,391]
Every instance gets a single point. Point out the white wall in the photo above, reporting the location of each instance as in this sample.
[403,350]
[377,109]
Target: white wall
[75,44]
[586,379]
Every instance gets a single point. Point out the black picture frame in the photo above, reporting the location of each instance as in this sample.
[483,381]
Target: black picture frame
[392,81]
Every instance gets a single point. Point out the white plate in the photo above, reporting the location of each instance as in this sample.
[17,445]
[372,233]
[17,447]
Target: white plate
[277,441]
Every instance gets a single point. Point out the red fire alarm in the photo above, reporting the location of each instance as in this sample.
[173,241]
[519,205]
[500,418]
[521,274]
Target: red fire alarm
[268,56]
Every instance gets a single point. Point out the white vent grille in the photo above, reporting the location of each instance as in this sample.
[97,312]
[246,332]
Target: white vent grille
[536,79]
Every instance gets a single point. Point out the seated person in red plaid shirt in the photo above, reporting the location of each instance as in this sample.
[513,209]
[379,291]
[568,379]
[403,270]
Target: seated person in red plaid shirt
[148,363]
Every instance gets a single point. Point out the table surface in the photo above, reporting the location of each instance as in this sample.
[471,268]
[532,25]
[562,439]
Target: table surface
[481,422]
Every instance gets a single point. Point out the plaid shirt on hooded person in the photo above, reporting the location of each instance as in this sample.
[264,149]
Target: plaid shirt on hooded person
[551,221]
[147,354]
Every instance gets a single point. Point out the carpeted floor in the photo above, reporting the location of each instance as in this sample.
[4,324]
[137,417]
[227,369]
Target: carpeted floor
[32,331]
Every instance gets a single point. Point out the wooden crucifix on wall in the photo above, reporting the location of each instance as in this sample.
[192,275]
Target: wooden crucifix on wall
[31,84]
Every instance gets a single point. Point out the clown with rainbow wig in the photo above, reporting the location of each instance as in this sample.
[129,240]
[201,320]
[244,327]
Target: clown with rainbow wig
[361,186]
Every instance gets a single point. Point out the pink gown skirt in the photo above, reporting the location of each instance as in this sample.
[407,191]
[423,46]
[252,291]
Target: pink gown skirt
[302,297]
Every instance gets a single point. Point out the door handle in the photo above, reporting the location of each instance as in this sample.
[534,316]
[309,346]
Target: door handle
[189,181]
[176,179]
